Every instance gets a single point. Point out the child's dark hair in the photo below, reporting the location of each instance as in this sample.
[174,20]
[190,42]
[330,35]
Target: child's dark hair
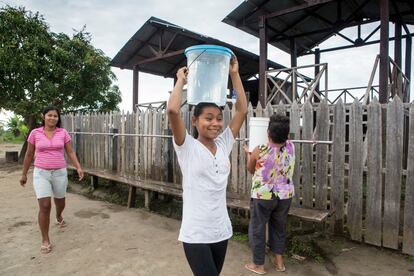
[198,110]
[278,128]
[50,108]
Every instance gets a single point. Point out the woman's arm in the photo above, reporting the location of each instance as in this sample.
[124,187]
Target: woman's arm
[251,159]
[174,106]
[74,159]
[28,158]
[241,103]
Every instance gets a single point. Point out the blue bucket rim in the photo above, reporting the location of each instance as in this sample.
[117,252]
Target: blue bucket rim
[208,48]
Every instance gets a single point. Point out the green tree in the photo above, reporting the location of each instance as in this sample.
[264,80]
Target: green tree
[16,125]
[40,68]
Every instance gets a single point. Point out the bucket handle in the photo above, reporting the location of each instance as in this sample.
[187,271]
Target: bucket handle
[188,67]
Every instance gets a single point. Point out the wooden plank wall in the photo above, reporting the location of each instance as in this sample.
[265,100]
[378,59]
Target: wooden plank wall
[371,199]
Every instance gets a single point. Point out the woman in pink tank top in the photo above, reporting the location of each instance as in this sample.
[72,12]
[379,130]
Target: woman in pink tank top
[47,145]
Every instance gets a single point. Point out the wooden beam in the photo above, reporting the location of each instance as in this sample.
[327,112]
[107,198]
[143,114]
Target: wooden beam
[282,32]
[171,54]
[310,3]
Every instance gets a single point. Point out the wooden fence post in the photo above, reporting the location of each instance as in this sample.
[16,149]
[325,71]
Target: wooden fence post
[77,143]
[114,150]
[168,157]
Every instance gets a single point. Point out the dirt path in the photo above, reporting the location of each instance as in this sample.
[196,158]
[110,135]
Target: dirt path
[107,239]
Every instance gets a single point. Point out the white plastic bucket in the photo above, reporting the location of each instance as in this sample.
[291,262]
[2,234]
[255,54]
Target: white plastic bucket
[208,74]
[258,131]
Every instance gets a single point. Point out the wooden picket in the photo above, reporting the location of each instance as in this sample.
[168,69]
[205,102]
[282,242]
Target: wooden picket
[307,156]
[355,182]
[393,164]
[374,175]
[408,235]
[337,174]
[321,178]
[295,133]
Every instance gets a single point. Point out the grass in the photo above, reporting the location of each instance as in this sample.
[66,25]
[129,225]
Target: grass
[304,248]
[240,237]
[409,258]
[8,137]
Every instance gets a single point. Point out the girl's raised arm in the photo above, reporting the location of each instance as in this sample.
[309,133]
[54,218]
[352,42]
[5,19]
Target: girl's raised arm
[241,103]
[174,106]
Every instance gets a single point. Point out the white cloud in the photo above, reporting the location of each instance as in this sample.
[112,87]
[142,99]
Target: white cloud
[112,23]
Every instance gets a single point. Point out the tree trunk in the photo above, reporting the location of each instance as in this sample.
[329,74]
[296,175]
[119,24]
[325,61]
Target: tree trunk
[31,123]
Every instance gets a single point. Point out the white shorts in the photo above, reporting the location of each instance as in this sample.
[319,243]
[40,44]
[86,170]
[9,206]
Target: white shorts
[50,183]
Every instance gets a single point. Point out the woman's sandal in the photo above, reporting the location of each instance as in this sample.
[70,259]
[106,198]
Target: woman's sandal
[253,269]
[61,223]
[45,249]
[278,269]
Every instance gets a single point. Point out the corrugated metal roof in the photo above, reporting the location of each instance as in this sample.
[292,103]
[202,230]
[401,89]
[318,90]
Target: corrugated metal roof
[315,22]
[143,49]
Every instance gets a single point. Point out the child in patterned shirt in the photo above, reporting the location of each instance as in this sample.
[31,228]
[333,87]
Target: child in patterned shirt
[272,190]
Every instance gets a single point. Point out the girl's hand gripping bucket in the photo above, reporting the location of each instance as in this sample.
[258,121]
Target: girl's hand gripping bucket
[258,131]
[208,74]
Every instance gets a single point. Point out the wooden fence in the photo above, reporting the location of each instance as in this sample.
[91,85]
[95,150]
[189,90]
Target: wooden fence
[365,178]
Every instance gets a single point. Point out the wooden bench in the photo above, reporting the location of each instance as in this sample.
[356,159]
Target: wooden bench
[307,214]
[149,186]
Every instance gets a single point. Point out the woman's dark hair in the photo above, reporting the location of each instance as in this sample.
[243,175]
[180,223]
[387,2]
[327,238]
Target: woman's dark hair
[198,110]
[51,108]
[278,128]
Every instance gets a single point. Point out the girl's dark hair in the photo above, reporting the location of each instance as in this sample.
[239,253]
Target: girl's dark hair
[198,110]
[50,108]
[278,128]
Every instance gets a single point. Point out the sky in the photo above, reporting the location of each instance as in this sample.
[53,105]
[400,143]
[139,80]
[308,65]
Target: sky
[112,24]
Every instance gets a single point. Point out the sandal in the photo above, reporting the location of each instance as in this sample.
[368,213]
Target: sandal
[61,223]
[45,249]
[253,269]
[282,269]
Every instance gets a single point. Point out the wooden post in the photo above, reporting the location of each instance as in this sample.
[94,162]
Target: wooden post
[408,61]
[132,196]
[148,197]
[262,60]
[317,61]
[94,181]
[12,156]
[293,63]
[384,59]
[397,45]
[135,80]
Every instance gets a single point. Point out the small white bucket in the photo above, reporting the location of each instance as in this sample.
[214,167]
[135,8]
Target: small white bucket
[258,131]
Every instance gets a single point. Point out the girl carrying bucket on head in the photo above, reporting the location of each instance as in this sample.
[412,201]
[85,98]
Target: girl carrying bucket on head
[272,190]
[205,166]
[47,144]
